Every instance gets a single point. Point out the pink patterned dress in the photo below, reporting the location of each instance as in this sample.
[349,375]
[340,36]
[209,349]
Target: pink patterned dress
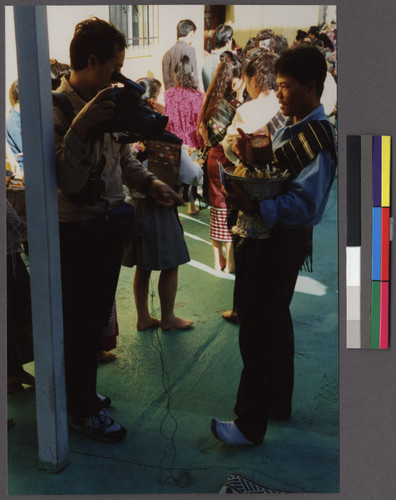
[183,107]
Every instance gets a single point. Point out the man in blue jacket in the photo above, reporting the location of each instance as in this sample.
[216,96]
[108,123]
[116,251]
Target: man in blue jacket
[267,268]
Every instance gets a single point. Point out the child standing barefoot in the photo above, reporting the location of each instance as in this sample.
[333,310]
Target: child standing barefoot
[162,245]
[167,288]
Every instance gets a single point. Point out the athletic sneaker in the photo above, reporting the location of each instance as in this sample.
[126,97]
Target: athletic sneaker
[100,426]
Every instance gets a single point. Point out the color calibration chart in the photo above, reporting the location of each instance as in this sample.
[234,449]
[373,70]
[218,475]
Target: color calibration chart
[369,236]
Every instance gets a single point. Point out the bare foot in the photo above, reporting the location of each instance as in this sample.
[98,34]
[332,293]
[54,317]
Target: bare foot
[176,323]
[146,324]
[106,357]
[229,270]
[192,210]
[219,267]
[230,316]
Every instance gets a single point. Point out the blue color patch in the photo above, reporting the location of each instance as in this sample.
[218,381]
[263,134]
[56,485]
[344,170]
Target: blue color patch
[376,245]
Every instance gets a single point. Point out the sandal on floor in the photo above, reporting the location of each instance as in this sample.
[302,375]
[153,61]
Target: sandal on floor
[106,357]
[230,316]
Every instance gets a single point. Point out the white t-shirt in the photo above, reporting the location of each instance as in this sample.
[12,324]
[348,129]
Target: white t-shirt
[249,117]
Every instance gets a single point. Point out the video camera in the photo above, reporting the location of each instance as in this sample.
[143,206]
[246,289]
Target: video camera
[133,120]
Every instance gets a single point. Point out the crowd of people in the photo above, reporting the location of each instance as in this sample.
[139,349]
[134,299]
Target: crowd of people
[127,213]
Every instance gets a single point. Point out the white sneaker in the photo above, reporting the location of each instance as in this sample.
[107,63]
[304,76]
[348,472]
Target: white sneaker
[100,426]
[228,432]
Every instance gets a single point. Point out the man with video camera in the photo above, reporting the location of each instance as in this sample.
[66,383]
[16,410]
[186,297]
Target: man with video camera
[94,220]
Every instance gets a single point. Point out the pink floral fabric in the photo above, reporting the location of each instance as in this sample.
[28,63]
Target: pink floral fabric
[183,107]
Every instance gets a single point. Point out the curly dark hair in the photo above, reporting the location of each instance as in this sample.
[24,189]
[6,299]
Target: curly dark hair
[184,74]
[265,39]
[96,37]
[221,85]
[262,67]
[281,44]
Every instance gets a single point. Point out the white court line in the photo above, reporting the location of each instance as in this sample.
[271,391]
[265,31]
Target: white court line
[304,284]
[192,236]
[209,270]
[307,285]
[192,218]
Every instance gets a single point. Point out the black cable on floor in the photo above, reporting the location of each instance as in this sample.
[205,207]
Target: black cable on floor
[182,479]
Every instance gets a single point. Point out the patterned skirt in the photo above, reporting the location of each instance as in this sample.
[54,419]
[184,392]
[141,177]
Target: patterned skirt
[218,229]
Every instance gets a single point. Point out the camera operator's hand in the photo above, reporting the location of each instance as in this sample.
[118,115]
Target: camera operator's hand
[236,198]
[164,195]
[95,112]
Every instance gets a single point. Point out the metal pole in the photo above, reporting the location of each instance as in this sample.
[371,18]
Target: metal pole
[322,15]
[43,234]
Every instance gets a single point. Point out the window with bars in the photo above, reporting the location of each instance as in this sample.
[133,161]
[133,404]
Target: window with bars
[139,23]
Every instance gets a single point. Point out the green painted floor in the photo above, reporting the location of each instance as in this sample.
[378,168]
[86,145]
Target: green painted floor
[166,387]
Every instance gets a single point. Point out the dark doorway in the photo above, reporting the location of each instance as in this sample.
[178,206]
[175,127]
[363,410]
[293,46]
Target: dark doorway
[214,15]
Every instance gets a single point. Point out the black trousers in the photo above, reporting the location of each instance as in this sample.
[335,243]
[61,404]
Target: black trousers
[91,254]
[266,274]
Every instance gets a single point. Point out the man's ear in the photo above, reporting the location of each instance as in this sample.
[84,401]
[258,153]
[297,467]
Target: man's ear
[92,61]
[312,87]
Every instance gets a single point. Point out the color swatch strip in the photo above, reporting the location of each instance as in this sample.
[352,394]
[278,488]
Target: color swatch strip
[366,203]
[353,263]
[380,243]
[368,245]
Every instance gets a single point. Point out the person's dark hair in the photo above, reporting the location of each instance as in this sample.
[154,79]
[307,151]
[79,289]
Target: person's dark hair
[301,34]
[251,54]
[184,74]
[94,37]
[249,46]
[313,30]
[281,44]
[265,39]
[57,71]
[14,93]
[184,27]
[327,43]
[261,66]
[221,84]
[221,35]
[152,88]
[305,64]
